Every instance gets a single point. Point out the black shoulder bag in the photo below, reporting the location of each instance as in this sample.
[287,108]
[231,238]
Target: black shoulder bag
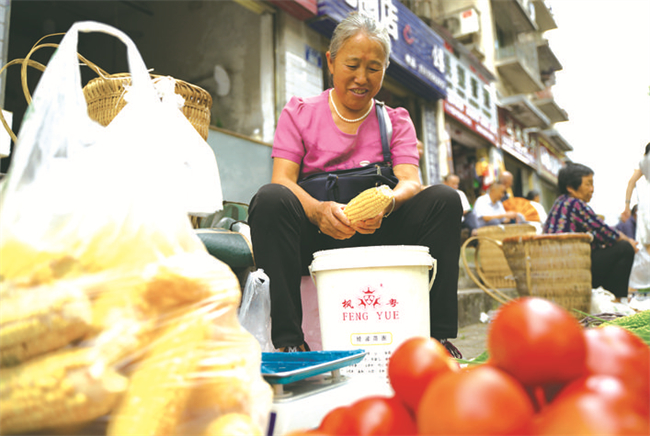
[343,185]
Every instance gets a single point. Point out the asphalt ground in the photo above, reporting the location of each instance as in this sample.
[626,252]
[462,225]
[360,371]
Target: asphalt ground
[471,340]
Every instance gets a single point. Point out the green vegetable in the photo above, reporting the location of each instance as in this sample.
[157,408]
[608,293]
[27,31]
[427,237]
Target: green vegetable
[639,324]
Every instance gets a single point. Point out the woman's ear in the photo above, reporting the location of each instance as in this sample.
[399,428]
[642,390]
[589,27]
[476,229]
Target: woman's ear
[330,62]
[572,192]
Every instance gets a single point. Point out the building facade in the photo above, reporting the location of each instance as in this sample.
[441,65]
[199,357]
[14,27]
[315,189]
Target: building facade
[475,75]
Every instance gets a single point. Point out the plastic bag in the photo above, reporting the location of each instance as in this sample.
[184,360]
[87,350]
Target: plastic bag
[640,274]
[116,302]
[255,310]
[126,179]
[603,301]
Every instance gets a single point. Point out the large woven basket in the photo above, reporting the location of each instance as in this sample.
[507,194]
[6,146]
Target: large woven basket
[105,98]
[556,267]
[491,264]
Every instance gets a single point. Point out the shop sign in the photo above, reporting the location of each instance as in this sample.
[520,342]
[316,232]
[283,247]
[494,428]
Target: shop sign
[470,99]
[300,9]
[416,49]
[516,140]
[549,163]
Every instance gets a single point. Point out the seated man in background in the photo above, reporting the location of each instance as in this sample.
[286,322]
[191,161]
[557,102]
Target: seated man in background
[489,209]
[469,218]
[506,179]
[533,197]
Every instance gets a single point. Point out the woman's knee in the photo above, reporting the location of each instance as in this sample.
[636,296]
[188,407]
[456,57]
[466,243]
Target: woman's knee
[271,198]
[446,197]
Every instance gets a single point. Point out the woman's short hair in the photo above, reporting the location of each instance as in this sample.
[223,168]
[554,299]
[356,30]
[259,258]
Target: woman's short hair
[571,175]
[355,23]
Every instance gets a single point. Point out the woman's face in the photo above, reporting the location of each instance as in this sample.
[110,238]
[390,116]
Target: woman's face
[585,190]
[357,72]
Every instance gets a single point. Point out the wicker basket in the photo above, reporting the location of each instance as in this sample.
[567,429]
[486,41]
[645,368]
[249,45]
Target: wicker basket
[105,98]
[556,267]
[491,264]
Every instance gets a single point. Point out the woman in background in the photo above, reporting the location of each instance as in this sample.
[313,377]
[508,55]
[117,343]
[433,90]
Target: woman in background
[612,253]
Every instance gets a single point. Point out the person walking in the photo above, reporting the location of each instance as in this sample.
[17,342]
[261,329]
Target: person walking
[640,180]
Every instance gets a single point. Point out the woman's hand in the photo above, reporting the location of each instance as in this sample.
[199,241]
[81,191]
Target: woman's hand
[369,226]
[633,243]
[328,216]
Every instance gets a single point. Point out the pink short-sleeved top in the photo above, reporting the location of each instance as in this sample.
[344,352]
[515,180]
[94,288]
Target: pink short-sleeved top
[307,135]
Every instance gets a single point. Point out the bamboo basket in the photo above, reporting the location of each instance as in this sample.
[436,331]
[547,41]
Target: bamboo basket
[105,98]
[105,94]
[556,267]
[491,264]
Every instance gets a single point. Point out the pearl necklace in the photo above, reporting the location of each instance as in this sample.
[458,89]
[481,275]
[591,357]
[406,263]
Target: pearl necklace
[347,120]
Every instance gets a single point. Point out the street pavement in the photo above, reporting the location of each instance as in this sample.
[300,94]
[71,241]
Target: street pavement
[471,340]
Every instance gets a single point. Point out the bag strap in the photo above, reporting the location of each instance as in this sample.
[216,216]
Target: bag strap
[385,129]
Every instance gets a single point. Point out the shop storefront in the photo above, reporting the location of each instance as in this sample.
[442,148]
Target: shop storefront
[415,77]
[471,123]
[520,153]
[549,164]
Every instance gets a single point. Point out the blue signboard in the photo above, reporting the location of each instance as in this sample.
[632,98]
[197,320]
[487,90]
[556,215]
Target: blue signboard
[417,57]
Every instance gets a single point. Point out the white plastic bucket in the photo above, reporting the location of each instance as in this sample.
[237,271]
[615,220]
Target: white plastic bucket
[372,298]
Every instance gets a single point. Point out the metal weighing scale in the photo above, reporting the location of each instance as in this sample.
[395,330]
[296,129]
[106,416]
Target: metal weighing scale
[308,385]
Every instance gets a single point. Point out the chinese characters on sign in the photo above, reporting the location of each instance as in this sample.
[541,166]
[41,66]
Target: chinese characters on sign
[383,11]
[417,53]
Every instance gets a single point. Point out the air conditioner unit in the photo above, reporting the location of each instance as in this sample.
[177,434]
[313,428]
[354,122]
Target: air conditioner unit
[463,22]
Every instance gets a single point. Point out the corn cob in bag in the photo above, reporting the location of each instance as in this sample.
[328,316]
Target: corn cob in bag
[114,319]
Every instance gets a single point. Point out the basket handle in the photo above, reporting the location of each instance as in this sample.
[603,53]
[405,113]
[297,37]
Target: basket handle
[27,62]
[490,289]
[24,62]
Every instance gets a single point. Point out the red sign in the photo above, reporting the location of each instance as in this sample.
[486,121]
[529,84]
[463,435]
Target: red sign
[515,140]
[300,9]
[469,119]
[550,164]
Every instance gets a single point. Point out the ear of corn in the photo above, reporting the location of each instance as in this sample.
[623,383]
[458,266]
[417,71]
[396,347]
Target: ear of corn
[369,203]
[159,390]
[36,320]
[64,388]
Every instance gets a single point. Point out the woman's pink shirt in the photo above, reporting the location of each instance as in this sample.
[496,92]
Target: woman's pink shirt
[307,135]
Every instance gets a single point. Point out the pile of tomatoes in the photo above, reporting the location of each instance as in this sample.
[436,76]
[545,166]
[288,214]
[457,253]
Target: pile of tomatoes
[545,375]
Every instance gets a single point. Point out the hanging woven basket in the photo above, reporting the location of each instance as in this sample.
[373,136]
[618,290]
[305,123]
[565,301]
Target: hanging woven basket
[105,98]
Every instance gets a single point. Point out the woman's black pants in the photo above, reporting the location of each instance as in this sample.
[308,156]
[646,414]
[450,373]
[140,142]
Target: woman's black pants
[611,267]
[284,241]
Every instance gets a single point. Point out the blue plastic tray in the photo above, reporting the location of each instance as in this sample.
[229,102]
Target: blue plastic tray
[283,368]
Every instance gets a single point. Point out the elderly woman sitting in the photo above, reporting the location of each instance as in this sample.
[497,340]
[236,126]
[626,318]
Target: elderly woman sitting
[612,253]
[339,129]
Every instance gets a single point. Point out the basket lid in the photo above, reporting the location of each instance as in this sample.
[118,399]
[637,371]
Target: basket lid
[586,237]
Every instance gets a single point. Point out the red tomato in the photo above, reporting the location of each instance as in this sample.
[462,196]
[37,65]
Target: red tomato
[612,350]
[481,400]
[594,405]
[336,422]
[412,366]
[377,415]
[537,342]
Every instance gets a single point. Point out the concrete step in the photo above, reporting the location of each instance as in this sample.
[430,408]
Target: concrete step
[473,302]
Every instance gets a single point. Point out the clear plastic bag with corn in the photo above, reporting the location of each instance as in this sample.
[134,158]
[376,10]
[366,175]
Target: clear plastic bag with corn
[114,319]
